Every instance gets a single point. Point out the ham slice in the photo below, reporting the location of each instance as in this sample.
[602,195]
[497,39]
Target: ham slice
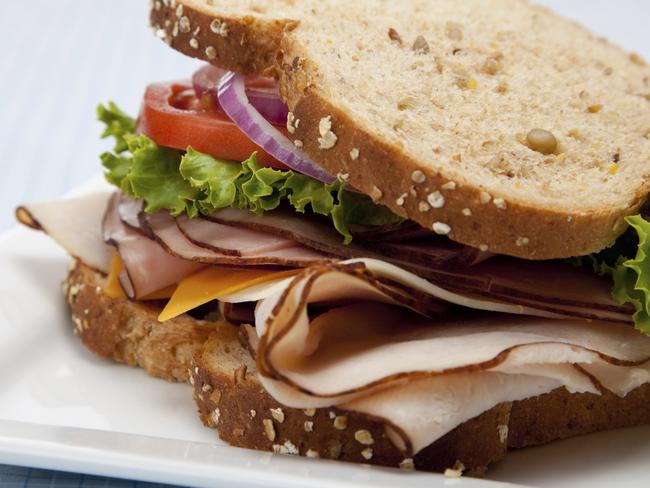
[129,209]
[421,412]
[286,239]
[310,232]
[148,267]
[164,229]
[546,286]
[229,240]
[376,355]
[75,224]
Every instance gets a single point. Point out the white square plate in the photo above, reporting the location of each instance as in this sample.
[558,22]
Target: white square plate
[63,408]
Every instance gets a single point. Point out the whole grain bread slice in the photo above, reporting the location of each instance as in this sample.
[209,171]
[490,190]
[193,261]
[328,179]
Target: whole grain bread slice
[214,358]
[230,398]
[428,107]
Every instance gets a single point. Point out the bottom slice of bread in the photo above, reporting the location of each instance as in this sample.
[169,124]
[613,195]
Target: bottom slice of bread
[129,332]
[230,398]
[214,359]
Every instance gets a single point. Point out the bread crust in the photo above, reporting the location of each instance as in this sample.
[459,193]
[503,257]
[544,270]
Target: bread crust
[570,414]
[244,44]
[129,332]
[383,170]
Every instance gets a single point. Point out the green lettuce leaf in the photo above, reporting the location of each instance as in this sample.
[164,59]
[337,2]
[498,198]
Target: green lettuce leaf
[627,263]
[632,276]
[154,175]
[195,183]
[118,124]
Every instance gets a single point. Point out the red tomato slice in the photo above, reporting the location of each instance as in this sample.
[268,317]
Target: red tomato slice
[172,116]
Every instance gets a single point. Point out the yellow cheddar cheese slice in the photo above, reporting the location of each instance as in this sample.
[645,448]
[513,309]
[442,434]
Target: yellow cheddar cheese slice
[112,288]
[212,283]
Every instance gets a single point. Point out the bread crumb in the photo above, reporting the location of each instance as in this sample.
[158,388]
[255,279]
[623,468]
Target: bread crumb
[418,176]
[290,121]
[367,453]
[184,25]
[327,139]
[269,429]
[436,199]
[216,416]
[450,185]
[341,422]
[500,203]
[215,396]
[456,471]
[420,45]
[218,27]
[491,66]
[407,464]
[277,414]
[441,228]
[485,197]
[364,437]
[334,449]
[291,448]
[393,35]
[522,241]
[453,473]
[239,375]
[502,430]
[210,52]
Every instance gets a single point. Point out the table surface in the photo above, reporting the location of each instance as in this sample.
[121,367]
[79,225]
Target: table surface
[59,59]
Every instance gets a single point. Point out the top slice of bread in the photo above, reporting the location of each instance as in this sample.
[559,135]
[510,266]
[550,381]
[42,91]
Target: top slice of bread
[427,105]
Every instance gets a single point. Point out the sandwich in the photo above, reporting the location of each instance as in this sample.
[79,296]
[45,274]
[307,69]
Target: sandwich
[400,234]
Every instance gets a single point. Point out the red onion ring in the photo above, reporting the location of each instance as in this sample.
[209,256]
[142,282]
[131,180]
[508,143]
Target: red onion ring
[234,101]
[262,93]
